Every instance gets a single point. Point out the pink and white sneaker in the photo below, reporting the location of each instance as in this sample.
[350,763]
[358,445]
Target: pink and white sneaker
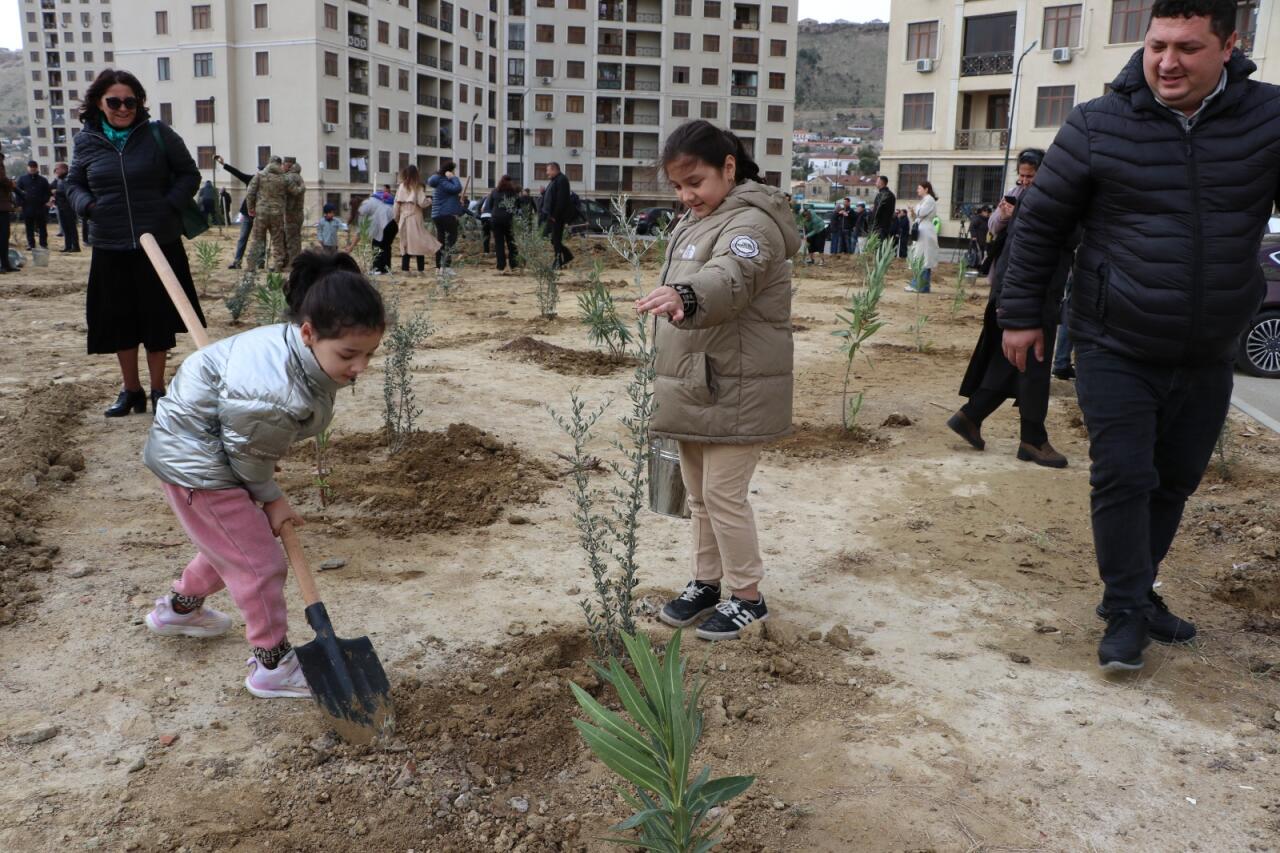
[286,681]
[202,622]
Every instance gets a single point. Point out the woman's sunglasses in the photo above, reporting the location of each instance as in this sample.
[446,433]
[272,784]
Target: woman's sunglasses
[127,103]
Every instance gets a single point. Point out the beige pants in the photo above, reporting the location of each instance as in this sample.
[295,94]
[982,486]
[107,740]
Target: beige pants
[717,478]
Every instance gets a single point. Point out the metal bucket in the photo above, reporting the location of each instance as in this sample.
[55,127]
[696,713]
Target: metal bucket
[39,257]
[666,486]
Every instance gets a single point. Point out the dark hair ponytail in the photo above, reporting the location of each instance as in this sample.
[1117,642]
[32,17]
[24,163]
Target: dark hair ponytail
[704,141]
[327,290]
[1032,157]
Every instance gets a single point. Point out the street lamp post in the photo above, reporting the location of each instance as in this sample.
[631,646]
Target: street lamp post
[213,166]
[1013,107]
[471,167]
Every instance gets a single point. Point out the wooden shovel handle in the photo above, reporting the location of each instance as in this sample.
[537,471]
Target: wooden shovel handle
[176,293]
[298,560]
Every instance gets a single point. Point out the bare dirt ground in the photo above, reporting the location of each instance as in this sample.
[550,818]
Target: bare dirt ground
[929,683]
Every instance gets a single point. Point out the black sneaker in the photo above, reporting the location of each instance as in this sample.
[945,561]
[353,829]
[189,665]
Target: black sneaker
[1123,642]
[1163,626]
[697,600]
[731,617]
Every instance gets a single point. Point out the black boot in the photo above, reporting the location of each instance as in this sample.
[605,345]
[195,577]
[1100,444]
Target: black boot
[155,396]
[1124,640]
[129,402]
[1163,625]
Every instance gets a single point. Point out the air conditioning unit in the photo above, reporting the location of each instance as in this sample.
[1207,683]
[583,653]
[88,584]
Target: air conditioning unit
[924,66]
[574,152]
[546,81]
[549,116]
[329,127]
[1062,54]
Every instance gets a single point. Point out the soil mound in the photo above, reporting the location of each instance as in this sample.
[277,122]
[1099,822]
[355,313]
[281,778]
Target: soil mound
[570,362]
[818,441]
[458,477]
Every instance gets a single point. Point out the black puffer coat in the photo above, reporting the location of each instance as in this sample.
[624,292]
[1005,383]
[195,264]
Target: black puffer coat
[134,191]
[1167,271]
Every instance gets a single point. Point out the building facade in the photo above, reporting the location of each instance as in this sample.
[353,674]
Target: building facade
[950,106]
[356,89]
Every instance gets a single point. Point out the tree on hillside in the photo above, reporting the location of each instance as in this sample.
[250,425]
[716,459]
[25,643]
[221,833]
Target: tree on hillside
[868,160]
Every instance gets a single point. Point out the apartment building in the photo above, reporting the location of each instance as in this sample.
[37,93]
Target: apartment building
[356,89]
[956,98]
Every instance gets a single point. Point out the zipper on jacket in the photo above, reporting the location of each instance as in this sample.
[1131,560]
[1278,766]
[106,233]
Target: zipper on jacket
[124,180]
[1197,251]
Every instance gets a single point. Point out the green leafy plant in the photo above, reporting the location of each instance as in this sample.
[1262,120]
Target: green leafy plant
[961,295]
[247,286]
[597,311]
[362,250]
[271,303]
[922,320]
[538,258]
[323,488]
[208,258]
[449,273]
[1224,452]
[655,754]
[626,242]
[401,411]
[860,321]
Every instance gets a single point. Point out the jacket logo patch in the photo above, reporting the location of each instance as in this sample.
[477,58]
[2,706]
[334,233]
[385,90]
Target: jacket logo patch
[744,247]
[689,252]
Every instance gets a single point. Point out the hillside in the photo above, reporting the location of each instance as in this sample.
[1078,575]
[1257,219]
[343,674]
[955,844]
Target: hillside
[841,65]
[13,94]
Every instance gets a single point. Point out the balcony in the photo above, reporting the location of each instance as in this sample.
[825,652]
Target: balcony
[641,153]
[609,49]
[446,26]
[644,86]
[358,86]
[607,151]
[643,118]
[428,60]
[359,176]
[610,13]
[430,20]
[446,103]
[515,44]
[515,79]
[743,91]
[742,124]
[978,64]
[982,140]
[608,84]
[428,141]
[644,51]
[429,101]
[746,25]
[645,18]
[446,65]
[748,58]
[357,41]
[609,118]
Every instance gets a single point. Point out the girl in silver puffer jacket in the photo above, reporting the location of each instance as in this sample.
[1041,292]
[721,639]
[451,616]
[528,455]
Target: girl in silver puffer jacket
[231,414]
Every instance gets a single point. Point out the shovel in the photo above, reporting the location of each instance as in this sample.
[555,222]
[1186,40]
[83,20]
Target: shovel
[345,676]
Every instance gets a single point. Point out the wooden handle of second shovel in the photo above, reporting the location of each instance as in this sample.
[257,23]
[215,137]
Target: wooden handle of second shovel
[174,287]
[298,560]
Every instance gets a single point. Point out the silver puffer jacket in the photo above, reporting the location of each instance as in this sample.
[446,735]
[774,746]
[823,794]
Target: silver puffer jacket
[234,409]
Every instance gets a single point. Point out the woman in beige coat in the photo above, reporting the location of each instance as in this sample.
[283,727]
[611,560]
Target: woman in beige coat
[724,361]
[412,202]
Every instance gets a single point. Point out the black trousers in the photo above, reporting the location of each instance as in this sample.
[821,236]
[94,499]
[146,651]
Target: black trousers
[1030,389]
[447,233]
[1152,432]
[382,248]
[404,262]
[504,245]
[563,256]
[4,242]
[36,223]
[486,227]
[70,229]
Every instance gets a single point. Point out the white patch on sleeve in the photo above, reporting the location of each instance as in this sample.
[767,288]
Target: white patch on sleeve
[689,252]
[744,247]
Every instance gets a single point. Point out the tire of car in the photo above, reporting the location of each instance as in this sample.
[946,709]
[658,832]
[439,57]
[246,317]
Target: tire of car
[1260,346]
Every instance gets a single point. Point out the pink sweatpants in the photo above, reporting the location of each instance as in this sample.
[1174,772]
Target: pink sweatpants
[237,550]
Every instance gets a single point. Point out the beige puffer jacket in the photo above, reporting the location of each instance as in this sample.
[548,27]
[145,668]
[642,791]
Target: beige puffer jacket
[724,374]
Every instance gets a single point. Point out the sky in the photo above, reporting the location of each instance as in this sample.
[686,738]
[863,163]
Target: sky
[822,10]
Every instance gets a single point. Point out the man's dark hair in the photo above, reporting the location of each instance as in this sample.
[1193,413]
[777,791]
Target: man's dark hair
[884,178]
[1221,13]
[555,165]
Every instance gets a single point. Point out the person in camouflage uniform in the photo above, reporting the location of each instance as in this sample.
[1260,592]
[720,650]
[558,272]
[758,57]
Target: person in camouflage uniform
[266,201]
[295,201]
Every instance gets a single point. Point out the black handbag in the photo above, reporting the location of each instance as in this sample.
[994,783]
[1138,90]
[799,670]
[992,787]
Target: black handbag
[915,231]
[194,222]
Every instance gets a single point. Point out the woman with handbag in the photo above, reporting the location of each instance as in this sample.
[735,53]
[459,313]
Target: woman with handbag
[925,232]
[130,177]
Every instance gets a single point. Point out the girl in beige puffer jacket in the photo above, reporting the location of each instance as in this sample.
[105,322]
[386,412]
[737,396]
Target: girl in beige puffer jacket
[724,362]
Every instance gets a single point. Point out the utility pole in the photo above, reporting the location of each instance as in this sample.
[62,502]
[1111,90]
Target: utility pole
[218,215]
[1013,107]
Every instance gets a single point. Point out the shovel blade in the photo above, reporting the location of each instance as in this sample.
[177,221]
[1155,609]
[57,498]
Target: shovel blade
[347,680]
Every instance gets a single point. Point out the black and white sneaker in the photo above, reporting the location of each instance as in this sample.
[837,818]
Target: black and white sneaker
[1164,626]
[697,600]
[731,617]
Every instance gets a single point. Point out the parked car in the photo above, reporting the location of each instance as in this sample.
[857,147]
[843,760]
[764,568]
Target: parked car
[1259,353]
[594,217]
[650,219]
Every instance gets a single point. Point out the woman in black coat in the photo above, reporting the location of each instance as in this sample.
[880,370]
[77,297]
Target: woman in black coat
[131,177]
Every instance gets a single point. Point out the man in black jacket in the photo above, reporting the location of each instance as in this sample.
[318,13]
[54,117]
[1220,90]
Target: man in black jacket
[1156,318]
[557,210]
[66,213]
[883,209]
[246,221]
[34,192]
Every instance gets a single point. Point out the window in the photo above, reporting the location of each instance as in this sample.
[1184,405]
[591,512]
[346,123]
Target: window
[710,44]
[773,146]
[777,80]
[264,156]
[710,109]
[710,76]
[201,19]
[544,67]
[1061,27]
[204,111]
[922,40]
[204,157]
[971,186]
[384,76]
[543,103]
[166,113]
[917,111]
[259,16]
[542,137]
[1053,103]
[384,118]
[162,68]
[777,112]
[162,23]
[402,121]
[679,109]
[463,55]
[679,74]
[577,35]
[264,110]
[910,176]
[711,9]
[402,38]
[574,170]
[332,158]
[545,33]
[573,138]
[575,69]
[384,32]
[680,41]
[1129,19]
[575,104]
[779,14]
[1246,24]
[262,63]
[203,64]
[330,16]
[330,111]
[462,93]
[777,47]
[403,81]
[330,64]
